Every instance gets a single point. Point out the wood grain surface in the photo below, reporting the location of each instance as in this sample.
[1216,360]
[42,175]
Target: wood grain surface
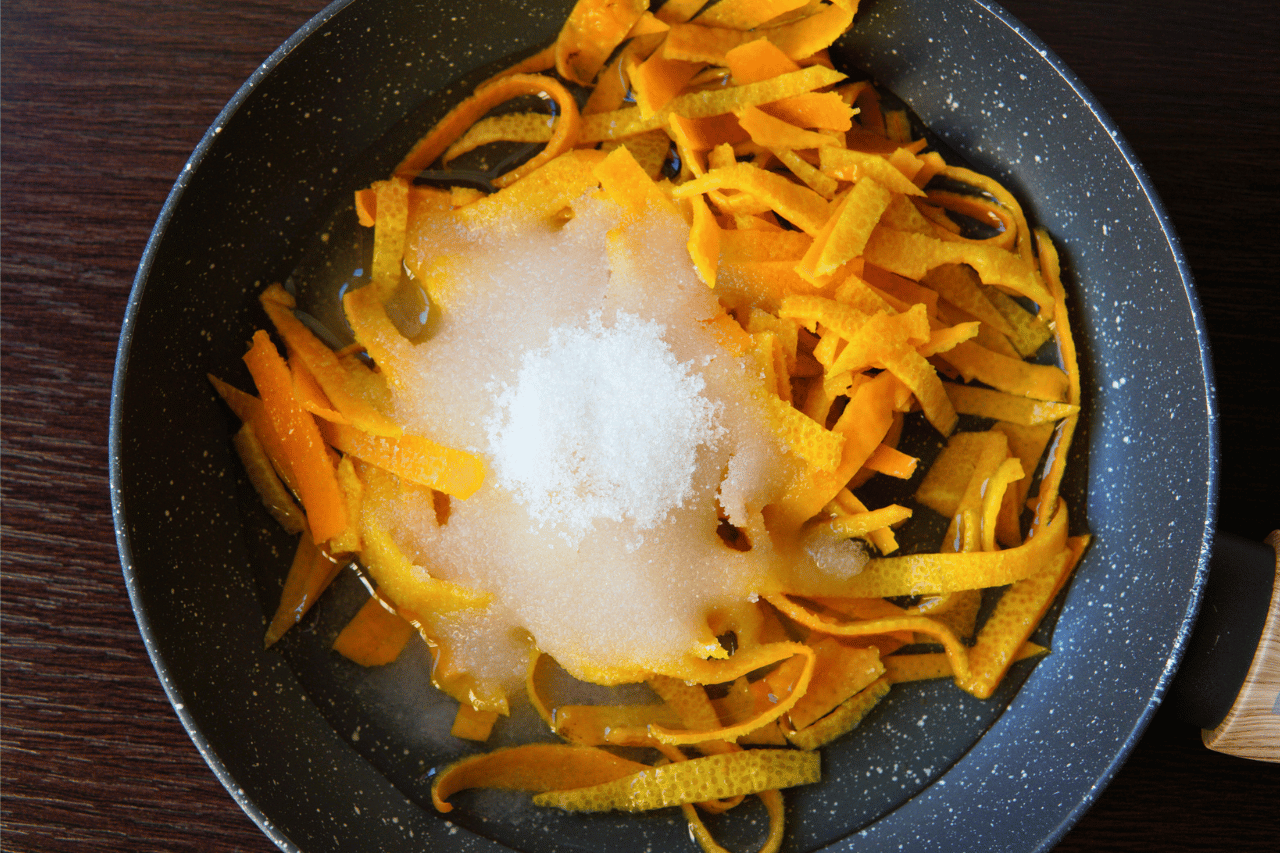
[102,104]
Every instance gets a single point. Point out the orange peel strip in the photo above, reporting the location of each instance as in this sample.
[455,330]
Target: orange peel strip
[413,457]
[805,171]
[470,724]
[357,398]
[955,650]
[299,440]
[993,490]
[514,127]
[769,131]
[310,574]
[375,635]
[746,14]
[990,403]
[485,98]
[959,285]
[265,481]
[1066,345]
[758,60]
[849,165]
[591,32]
[706,104]
[618,725]
[725,671]
[1038,381]
[773,841]
[1017,614]
[533,767]
[798,204]
[709,777]
[844,718]
[826,110]
[931,665]
[933,574]
[863,523]
[887,459]
[839,672]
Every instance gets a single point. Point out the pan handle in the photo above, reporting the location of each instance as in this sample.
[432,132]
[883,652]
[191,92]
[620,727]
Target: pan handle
[1229,681]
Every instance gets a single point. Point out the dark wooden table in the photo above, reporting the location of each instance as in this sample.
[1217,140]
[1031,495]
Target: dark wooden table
[103,102]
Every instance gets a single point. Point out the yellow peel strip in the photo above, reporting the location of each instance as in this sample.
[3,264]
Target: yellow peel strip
[710,777]
[534,767]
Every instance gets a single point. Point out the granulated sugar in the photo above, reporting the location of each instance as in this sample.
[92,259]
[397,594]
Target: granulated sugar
[602,423]
[615,430]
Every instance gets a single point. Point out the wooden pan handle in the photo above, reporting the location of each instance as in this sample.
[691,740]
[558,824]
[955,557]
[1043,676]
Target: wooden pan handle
[1251,728]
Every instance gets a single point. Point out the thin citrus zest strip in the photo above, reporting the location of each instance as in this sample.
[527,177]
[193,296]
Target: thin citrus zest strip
[931,665]
[659,79]
[998,405]
[758,60]
[1039,381]
[839,672]
[725,671]
[591,32]
[300,440]
[485,98]
[389,229]
[893,462]
[706,104]
[342,388]
[513,127]
[956,651]
[770,131]
[540,194]
[925,574]
[843,719]
[863,523]
[848,165]
[626,183]
[470,724]
[746,14]
[959,285]
[709,777]
[1067,349]
[805,171]
[826,110]
[1017,614]
[798,204]
[772,800]
[265,481]
[375,635]
[704,240]
[310,574]
[1009,472]
[618,725]
[805,37]
[533,767]
[948,478]
[414,457]
[913,255]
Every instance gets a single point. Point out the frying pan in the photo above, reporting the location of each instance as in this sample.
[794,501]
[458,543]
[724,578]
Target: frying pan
[318,770]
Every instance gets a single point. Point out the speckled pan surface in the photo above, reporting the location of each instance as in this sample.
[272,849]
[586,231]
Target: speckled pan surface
[320,770]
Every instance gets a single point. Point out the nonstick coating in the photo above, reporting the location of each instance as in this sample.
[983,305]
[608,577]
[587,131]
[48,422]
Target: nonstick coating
[294,140]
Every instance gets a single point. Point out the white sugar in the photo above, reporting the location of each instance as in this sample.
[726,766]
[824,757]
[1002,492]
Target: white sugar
[602,423]
[615,429]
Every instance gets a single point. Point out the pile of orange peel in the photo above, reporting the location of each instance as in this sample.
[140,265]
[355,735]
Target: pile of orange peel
[843,252]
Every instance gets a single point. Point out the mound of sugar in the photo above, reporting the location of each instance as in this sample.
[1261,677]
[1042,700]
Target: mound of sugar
[616,430]
[603,423]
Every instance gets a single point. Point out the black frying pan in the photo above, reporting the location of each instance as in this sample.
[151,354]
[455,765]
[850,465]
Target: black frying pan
[318,770]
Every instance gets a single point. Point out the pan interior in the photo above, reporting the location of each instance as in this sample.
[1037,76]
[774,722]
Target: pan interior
[326,755]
